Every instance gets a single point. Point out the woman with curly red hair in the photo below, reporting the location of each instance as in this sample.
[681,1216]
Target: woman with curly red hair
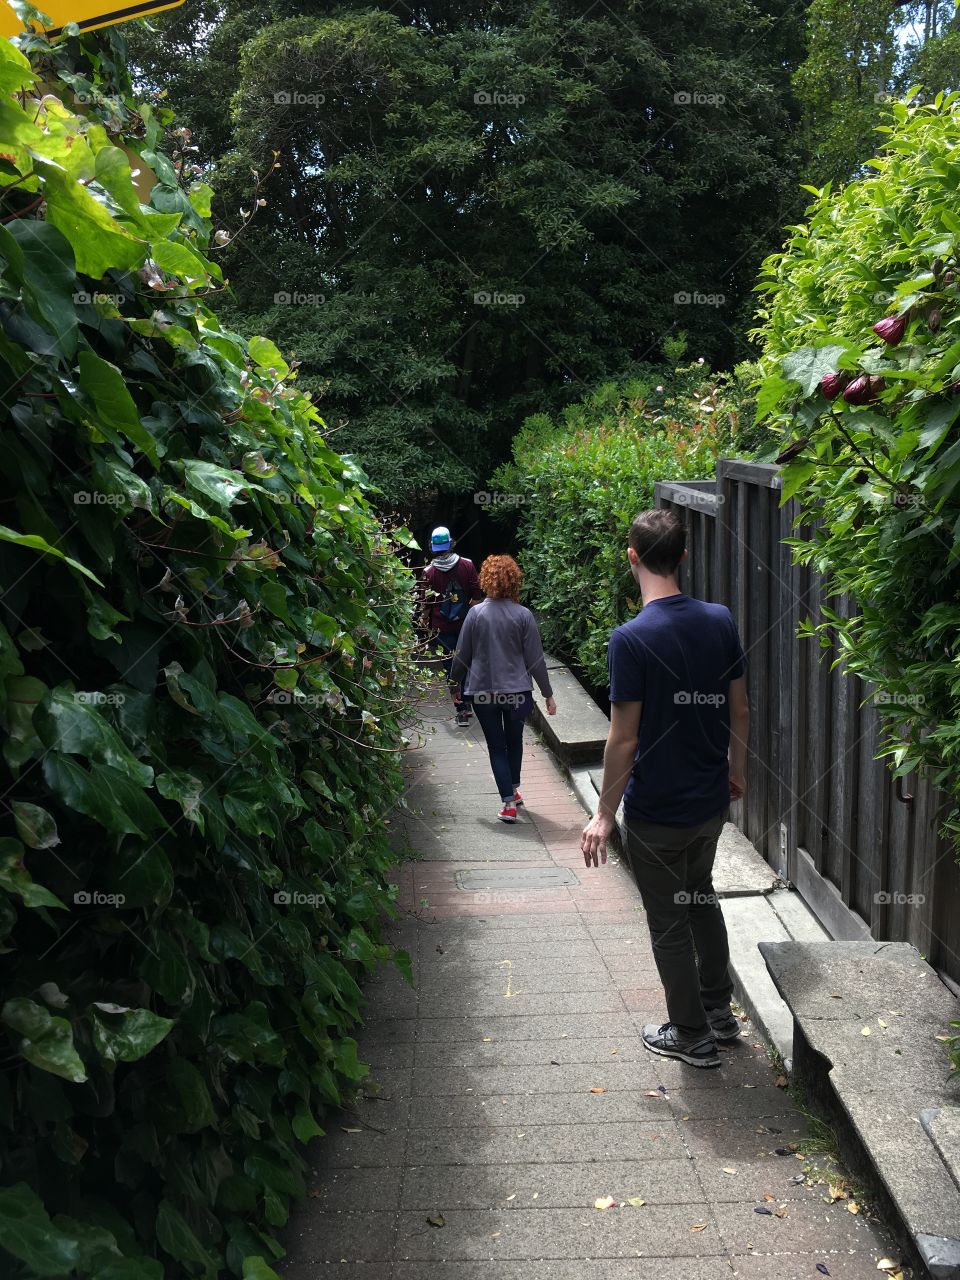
[498,657]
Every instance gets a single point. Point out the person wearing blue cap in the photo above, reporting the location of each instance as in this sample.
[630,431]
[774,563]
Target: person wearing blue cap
[451,586]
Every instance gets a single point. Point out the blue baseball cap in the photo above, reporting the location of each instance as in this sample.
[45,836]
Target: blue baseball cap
[440,539]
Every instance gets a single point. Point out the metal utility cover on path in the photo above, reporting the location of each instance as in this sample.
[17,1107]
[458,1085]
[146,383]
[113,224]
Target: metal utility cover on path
[87,14]
[526,878]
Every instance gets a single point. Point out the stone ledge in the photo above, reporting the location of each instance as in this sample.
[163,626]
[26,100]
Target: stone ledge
[578,731]
[878,1087]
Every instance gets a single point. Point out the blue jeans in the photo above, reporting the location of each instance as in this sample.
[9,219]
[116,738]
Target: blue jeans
[504,735]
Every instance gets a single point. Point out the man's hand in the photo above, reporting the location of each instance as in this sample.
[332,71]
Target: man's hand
[594,839]
[551,706]
[738,785]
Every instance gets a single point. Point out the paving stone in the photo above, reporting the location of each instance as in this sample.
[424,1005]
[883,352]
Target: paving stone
[525,1027]
[354,1237]
[734,1103]
[807,1227]
[801,1266]
[715,1268]
[654,1230]
[516,1110]
[490,978]
[542,1053]
[333,1189]
[495,1081]
[517,1186]
[545,1144]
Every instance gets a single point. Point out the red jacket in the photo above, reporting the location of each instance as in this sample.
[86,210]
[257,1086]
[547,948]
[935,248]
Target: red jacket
[435,586]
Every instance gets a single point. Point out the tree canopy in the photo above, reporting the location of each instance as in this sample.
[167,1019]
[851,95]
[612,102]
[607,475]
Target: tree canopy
[475,213]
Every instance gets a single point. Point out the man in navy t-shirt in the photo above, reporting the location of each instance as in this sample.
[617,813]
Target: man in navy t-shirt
[676,755]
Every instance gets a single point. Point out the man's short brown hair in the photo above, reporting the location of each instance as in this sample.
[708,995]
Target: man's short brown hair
[659,537]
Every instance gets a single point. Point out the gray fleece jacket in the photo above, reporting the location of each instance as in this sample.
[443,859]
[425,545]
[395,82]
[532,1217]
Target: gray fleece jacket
[499,650]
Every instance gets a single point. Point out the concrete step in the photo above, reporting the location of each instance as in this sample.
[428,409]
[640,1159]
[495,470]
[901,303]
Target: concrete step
[867,1017]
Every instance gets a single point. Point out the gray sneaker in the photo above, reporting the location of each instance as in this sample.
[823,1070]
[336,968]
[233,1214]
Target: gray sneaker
[664,1040]
[724,1024]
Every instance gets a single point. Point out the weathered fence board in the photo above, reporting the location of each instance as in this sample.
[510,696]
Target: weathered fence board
[823,811]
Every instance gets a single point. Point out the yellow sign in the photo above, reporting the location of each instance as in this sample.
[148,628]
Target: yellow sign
[87,14]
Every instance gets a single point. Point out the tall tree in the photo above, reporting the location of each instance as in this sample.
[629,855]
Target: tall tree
[477,212]
[862,54]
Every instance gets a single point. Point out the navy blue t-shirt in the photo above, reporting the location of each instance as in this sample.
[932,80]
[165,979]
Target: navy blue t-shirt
[677,657]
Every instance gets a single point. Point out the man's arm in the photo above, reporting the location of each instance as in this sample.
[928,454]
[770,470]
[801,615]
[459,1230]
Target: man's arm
[618,757]
[739,733]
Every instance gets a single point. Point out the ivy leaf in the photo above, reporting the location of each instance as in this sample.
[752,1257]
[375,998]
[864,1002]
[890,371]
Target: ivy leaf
[15,878]
[102,793]
[176,1237]
[69,722]
[104,385]
[221,486]
[45,1041]
[35,826]
[808,365]
[49,279]
[27,1232]
[133,1037]
[99,242]
[257,1269]
[36,543]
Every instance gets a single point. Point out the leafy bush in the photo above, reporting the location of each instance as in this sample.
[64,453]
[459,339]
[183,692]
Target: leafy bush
[203,646]
[584,478]
[876,470]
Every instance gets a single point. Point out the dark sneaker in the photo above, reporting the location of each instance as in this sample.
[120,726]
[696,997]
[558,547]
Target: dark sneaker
[663,1040]
[463,719]
[724,1024]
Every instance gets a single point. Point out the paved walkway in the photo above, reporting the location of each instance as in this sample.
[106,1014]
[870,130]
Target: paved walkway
[514,1092]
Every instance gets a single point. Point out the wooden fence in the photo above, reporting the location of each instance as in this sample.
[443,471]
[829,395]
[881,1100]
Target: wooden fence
[861,847]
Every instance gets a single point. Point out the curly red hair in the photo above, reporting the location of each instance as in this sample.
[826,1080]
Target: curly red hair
[500,577]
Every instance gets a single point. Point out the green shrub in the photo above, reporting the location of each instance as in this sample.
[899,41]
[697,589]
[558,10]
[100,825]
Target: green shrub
[203,646]
[878,484]
[582,481]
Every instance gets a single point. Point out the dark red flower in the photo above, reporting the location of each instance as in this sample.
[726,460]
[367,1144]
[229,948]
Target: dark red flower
[863,390]
[831,384]
[791,451]
[891,329]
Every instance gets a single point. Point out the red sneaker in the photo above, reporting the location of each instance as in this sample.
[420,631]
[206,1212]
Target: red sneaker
[518,799]
[508,813]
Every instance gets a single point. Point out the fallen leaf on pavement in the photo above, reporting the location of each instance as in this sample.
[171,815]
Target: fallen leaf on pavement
[865,1031]
[762,1208]
[822,1268]
[652,1093]
[853,1207]
[699,1226]
[636,1201]
[684,1117]
[749,1086]
[887,1264]
[437,1220]
[781,1082]
[605,1202]
[836,1193]
[598,1091]
[767,1196]
[513,1197]
[781,1212]
[487,1039]
[883,1024]
[728,1169]
[346,1130]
